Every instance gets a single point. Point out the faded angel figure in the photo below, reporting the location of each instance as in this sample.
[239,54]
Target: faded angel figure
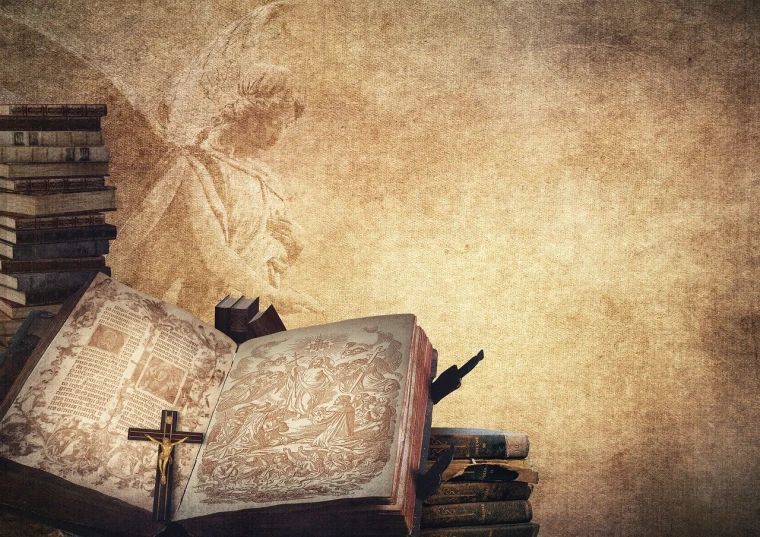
[217,222]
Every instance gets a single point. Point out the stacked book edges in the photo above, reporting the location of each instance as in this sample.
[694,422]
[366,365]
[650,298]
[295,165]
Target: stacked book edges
[485,490]
[54,196]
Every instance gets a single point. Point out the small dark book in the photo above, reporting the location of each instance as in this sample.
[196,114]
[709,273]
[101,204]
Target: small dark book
[222,314]
[524,529]
[39,296]
[490,470]
[31,281]
[241,312]
[479,443]
[264,323]
[14,266]
[480,513]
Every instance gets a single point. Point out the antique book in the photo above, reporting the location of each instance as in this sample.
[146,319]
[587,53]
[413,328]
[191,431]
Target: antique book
[28,281]
[265,322]
[51,138]
[15,221]
[52,169]
[52,184]
[479,491]
[74,248]
[41,204]
[61,264]
[37,297]
[479,443]
[241,312]
[32,123]
[316,431]
[40,154]
[525,529]
[222,314]
[491,470]
[9,326]
[18,311]
[53,110]
[479,513]
[63,234]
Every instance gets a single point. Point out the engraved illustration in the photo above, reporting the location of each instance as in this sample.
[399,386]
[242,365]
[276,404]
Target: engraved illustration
[314,417]
[108,339]
[162,379]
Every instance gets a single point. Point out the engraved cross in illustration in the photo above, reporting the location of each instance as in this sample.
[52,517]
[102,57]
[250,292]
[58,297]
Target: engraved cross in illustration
[166,437]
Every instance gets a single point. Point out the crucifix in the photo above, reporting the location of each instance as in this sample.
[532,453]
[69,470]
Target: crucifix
[166,437]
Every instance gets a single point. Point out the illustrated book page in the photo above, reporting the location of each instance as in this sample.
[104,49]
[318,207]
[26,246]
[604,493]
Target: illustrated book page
[119,358]
[307,415]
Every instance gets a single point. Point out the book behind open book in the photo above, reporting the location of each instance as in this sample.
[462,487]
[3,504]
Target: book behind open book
[317,431]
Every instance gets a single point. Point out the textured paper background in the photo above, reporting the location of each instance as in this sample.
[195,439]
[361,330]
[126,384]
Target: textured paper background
[571,186]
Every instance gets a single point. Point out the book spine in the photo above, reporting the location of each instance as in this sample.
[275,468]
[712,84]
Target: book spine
[64,220]
[13,266]
[51,138]
[45,280]
[238,325]
[55,154]
[88,248]
[470,514]
[42,204]
[469,492]
[54,110]
[36,123]
[52,184]
[47,169]
[62,234]
[527,529]
[39,297]
[481,445]
[490,473]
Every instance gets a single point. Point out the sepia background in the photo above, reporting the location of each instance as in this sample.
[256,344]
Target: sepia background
[570,185]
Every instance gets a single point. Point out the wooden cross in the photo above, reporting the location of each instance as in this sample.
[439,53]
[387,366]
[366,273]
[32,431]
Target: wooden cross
[166,437]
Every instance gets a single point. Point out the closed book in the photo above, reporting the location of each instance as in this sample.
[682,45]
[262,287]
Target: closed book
[523,529]
[479,443]
[51,138]
[37,297]
[102,199]
[479,491]
[479,513]
[241,312]
[15,221]
[490,470]
[19,311]
[45,154]
[29,281]
[61,234]
[52,184]
[265,322]
[19,123]
[83,248]
[222,314]
[54,169]
[9,326]
[54,110]
[14,266]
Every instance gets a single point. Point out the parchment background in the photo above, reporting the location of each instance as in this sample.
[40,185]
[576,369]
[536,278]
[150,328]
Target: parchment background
[570,185]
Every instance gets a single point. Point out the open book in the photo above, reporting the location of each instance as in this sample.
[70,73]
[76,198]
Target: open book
[316,431]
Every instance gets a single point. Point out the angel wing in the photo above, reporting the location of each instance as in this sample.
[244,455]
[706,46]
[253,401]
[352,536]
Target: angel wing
[207,84]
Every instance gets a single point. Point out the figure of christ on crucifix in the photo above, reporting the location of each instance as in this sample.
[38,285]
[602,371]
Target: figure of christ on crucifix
[166,437]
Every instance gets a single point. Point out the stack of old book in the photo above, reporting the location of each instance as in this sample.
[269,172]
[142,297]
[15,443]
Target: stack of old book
[485,490]
[53,194]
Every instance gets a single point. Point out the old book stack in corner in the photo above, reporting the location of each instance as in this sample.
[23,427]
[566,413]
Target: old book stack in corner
[485,490]
[53,198]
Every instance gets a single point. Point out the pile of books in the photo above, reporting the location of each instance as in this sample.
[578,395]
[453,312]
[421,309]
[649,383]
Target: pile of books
[485,490]
[53,194]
